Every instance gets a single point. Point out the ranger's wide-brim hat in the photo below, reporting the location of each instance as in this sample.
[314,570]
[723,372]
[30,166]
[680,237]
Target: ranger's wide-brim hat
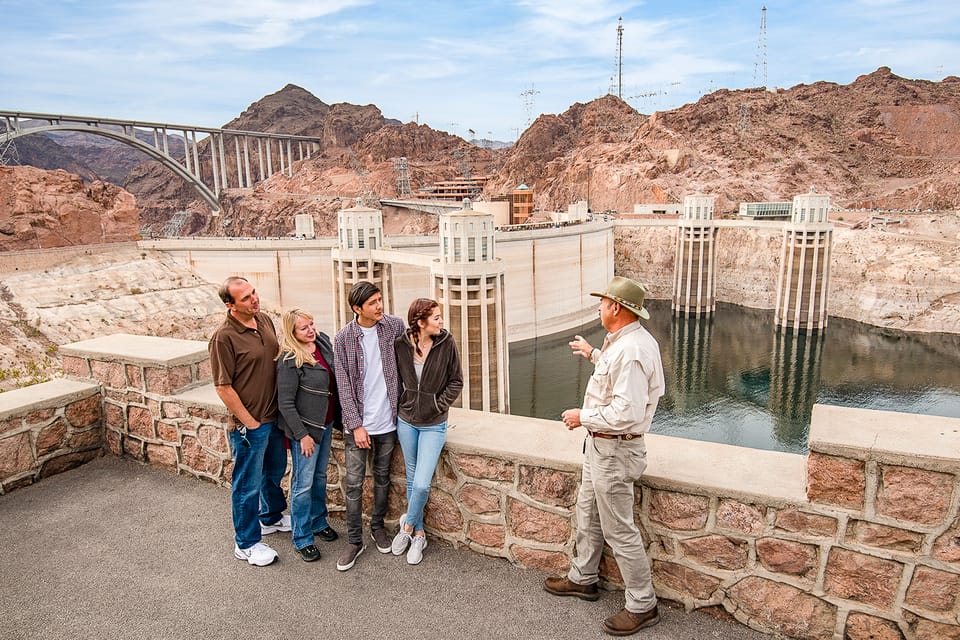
[626,293]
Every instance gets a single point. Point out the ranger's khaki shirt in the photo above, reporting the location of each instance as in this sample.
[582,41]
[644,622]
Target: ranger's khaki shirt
[626,384]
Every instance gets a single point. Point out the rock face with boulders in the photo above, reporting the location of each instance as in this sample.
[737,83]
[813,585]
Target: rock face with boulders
[47,209]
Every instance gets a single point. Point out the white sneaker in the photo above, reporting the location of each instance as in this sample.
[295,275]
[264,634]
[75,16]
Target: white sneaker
[283,524]
[415,553]
[401,540]
[259,555]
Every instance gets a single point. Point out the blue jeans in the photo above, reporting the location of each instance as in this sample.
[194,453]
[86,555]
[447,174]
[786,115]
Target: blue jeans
[255,489]
[381,447]
[421,448]
[308,489]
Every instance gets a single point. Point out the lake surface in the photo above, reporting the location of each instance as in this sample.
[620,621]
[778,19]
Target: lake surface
[735,379]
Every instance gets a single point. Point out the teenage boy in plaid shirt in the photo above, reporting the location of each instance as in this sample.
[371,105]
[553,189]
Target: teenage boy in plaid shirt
[366,370]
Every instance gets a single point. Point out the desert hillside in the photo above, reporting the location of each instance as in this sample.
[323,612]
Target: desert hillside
[880,141]
[124,290]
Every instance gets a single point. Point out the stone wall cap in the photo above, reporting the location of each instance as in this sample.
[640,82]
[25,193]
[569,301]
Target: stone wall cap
[886,435]
[55,393]
[141,350]
[538,441]
[203,396]
[672,463]
[694,466]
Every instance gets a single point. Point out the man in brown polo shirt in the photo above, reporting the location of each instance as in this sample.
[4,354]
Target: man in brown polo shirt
[242,352]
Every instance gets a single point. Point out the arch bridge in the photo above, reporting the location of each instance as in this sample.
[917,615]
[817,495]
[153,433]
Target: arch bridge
[205,163]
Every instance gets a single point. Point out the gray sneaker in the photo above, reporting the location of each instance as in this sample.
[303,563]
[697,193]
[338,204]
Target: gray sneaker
[349,556]
[415,553]
[382,538]
[401,540]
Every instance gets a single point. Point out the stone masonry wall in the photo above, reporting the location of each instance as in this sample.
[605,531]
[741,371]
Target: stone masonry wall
[139,420]
[858,540]
[46,429]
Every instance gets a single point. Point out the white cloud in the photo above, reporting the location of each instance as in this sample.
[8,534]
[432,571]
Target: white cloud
[204,62]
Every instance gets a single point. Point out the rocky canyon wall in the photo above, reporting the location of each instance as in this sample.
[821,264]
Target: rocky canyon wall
[45,209]
[905,278]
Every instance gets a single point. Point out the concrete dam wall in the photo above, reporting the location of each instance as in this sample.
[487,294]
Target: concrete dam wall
[549,273]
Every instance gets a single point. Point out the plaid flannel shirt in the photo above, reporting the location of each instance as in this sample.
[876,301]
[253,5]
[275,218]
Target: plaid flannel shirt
[348,366]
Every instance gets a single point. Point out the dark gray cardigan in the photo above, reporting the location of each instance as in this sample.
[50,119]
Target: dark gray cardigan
[427,401]
[304,393]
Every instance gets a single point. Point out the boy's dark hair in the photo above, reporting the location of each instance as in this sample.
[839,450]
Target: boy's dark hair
[361,292]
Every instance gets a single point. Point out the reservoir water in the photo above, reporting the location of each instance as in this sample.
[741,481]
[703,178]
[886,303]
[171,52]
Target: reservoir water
[736,379]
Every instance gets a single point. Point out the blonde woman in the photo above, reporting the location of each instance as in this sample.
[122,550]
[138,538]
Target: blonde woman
[309,410]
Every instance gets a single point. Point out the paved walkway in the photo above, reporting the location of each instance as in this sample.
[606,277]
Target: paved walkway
[118,550]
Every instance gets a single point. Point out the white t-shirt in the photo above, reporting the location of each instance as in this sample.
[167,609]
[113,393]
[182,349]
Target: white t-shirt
[377,415]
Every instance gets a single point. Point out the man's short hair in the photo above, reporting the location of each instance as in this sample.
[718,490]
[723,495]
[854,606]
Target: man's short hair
[224,290]
[361,292]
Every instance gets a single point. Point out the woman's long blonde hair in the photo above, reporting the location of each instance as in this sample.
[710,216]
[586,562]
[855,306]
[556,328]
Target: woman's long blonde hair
[290,347]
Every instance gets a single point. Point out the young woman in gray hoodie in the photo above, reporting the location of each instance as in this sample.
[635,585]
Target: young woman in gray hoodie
[430,381]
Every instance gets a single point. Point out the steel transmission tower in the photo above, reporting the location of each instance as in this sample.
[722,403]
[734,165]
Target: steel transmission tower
[760,60]
[759,71]
[9,156]
[620,58]
[527,96]
[403,177]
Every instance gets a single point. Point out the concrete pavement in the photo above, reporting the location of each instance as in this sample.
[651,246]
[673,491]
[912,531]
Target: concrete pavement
[115,549]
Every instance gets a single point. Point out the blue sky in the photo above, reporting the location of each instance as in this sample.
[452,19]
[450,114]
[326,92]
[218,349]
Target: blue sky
[455,66]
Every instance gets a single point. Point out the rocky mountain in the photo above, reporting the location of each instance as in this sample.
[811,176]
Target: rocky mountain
[292,110]
[324,184]
[91,157]
[881,141]
[42,152]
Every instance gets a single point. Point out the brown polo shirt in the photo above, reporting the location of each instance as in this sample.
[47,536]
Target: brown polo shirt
[243,358]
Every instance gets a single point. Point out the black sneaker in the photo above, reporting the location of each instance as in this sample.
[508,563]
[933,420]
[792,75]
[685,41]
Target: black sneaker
[327,534]
[309,553]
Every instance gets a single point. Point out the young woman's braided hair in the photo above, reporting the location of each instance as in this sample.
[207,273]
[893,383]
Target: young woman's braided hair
[420,309]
